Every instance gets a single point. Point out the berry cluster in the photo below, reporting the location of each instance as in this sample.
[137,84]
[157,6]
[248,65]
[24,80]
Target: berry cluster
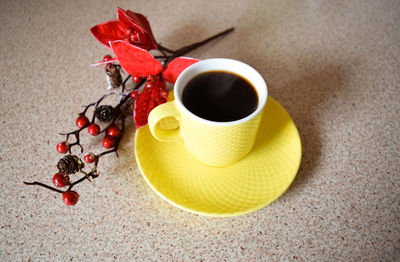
[112,118]
[130,38]
[112,136]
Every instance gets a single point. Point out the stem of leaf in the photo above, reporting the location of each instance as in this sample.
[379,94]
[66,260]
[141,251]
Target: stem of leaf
[186,49]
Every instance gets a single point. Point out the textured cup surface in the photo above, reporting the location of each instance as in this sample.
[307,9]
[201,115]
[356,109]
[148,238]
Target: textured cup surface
[213,143]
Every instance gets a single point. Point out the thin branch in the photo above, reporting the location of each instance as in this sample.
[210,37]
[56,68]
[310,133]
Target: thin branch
[81,180]
[95,104]
[186,49]
[163,49]
[124,83]
[45,186]
[92,174]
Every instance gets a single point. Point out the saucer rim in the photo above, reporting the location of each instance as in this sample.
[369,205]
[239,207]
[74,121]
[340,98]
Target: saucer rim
[232,214]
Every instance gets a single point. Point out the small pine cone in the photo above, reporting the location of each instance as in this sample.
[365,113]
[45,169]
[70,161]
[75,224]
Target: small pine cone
[104,113]
[114,75]
[69,164]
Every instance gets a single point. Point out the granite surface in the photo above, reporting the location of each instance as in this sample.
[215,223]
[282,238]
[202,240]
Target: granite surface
[335,67]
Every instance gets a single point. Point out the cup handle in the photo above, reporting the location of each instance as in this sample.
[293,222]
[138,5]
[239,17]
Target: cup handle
[160,112]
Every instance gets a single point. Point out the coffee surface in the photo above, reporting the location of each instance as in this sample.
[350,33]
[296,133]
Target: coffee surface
[220,96]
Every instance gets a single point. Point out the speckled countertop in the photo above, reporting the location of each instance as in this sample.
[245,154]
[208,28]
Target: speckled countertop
[335,67]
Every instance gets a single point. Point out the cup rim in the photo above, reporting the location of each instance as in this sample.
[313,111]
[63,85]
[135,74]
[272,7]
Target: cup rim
[261,85]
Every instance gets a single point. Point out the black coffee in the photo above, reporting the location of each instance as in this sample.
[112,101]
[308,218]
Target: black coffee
[220,96]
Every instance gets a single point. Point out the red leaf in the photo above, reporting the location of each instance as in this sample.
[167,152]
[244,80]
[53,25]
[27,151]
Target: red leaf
[136,61]
[109,31]
[139,23]
[176,66]
[150,97]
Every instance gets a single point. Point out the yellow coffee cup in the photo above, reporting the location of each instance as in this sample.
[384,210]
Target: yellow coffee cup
[215,143]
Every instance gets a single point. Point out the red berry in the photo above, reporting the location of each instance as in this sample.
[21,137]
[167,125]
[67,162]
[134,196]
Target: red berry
[70,198]
[93,129]
[129,30]
[82,121]
[164,93]
[108,142]
[134,94]
[107,58]
[60,181]
[134,37]
[63,147]
[136,79]
[114,131]
[90,158]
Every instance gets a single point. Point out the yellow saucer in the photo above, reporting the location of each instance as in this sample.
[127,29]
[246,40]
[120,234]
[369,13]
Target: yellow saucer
[248,185]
